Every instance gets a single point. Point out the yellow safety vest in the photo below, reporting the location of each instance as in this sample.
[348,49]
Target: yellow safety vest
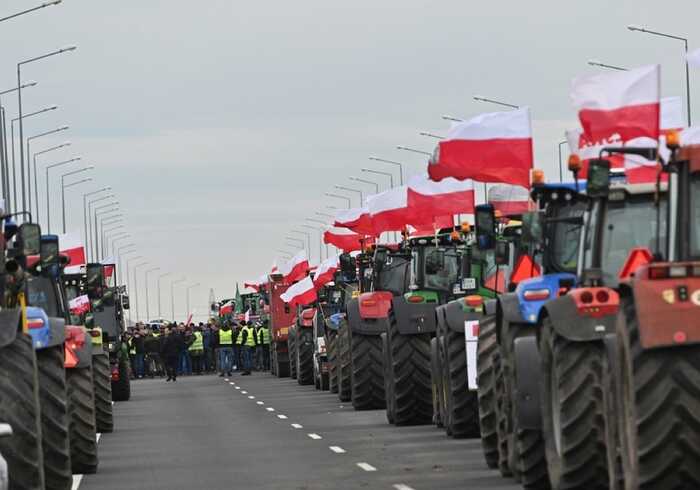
[239,337]
[250,339]
[198,343]
[156,334]
[225,337]
[264,335]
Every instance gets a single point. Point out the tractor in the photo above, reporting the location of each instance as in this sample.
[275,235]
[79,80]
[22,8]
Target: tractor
[282,317]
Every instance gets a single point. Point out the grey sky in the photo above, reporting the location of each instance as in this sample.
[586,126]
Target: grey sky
[220,124]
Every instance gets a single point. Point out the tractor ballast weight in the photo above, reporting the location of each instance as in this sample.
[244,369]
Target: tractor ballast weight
[414,318]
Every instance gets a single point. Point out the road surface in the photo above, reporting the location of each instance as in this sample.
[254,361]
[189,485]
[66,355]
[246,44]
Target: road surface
[261,432]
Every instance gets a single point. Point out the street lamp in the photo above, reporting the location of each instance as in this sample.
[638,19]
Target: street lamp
[48,200]
[391,162]
[379,172]
[308,239]
[605,65]
[451,118]
[19,104]
[128,280]
[63,191]
[172,295]
[160,317]
[188,296]
[413,150]
[687,69]
[285,253]
[63,194]
[86,223]
[320,239]
[497,102]
[43,5]
[116,222]
[561,174]
[29,176]
[350,189]
[148,314]
[115,237]
[364,181]
[105,208]
[431,135]
[298,242]
[120,253]
[338,196]
[136,287]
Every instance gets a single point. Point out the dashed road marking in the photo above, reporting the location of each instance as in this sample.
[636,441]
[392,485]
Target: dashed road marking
[366,466]
[76,482]
[244,392]
[231,383]
[280,416]
[270,409]
[297,426]
[238,387]
[260,403]
[336,449]
[314,436]
[401,486]
[97,437]
[251,397]
[225,379]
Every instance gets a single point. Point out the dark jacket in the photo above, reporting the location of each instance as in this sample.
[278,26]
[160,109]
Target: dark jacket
[172,345]
[137,344]
[151,344]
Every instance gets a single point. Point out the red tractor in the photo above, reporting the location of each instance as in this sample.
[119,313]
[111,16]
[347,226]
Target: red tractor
[282,317]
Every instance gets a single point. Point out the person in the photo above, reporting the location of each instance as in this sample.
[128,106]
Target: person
[248,342]
[266,337]
[225,349]
[137,347]
[152,347]
[185,364]
[206,342]
[259,347]
[216,364]
[172,346]
[237,348]
[196,350]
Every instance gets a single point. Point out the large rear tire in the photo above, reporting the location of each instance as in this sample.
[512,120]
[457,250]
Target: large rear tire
[388,380]
[486,373]
[437,382]
[344,364]
[304,346]
[462,405]
[659,391]
[121,389]
[103,393]
[410,372]
[19,407]
[367,375]
[81,409]
[53,399]
[332,362]
[291,348]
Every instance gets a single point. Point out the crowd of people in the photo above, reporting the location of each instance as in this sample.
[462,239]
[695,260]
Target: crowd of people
[173,350]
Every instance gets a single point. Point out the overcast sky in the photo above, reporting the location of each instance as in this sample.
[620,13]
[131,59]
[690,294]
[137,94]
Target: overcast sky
[220,124]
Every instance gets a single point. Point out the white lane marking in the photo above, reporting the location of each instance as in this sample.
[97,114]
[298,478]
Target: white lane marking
[280,416]
[336,449]
[97,437]
[231,383]
[76,482]
[270,409]
[297,426]
[314,436]
[225,379]
[401,486]
[238,387]
[112,403]
[260,403]
[251,397]
[244,392]
[366,466]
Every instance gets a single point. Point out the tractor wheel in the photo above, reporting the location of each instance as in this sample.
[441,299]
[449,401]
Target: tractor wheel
[573,410]
[81,409]
[462,405]
[292,349]
[273,359]
[389,395]
[332,363]
[486,375]
[367,378]
[121,389]
[304,346]
[410,373]
[53,399]
[103,393]
[344,368]
[436,376]
[502,411]
[19,407]
[659,421]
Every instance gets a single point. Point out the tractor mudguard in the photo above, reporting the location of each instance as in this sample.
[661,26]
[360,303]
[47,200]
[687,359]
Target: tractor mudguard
[527,382]
[415,318]
[491,307]
[363,325]
[455,316]
[45,331]
[9,325]
[510,308]
[84,354]
[570,324]
[57,327]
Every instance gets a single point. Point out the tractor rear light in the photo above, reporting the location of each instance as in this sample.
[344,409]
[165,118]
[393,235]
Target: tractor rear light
[596,302]
[415,298]
[602,296]
[586,297]
[115,373]
[369,302]
[536,294]
[473,300]
[35,323]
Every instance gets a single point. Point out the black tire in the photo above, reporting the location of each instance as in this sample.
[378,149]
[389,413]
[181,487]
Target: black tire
[388,380]
[332,362]
[291,348]
[273,359]
[19,407]
[502,416]
[462,405]
[573,411]
[659,422]
[53,399]
[367,375]
[486,376]
[437,382]
[81,409]
[304,347]
[325,382]
[410,372]
[103,393]
[344,364]
[121,389]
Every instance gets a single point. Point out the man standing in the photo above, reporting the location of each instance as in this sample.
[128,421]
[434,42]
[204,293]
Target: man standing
[152,346]
[197,351]
[248,342]
[225,349]
[172,346]
[139,351]
[206,341]
[259,347]
[237,348]
[266,345]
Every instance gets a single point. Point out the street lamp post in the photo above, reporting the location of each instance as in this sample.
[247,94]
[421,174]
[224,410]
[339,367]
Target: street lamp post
[298,242]
[431,135]
[87,213]
[128,279]
[318,213]
[136,287]
[148,313]
[308,239]
[320,240]
[118,227]
[63,193]
[687,69]
[391,162]
[116,239]
[172,295]
[379,172]
[413,150]
[39,7]
[364,181]
[160,316]
[494,101]
[29,166]
[120,253]
[105,208]
[605,65]
[188,296]
[350,189]
[48,200]
[338,196]
[561,173]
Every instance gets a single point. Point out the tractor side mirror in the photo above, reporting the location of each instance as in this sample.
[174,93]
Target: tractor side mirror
[95,281]
[598,185]
[49,253]
[125,301]
[485,218]
[532,228]
[29,239]
[502,252]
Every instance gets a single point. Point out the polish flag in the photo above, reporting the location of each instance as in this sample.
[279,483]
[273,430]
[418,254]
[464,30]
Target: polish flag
[509,199]
[389,209]
[345,240]
[436,223]
[428,199]
[326,270]
[71,245]
[226,308]
[79,305]
[355,219]
[301,293]
[621,108]
[109,269]
[694,58]
[296,268]
[251,285]
[492,147]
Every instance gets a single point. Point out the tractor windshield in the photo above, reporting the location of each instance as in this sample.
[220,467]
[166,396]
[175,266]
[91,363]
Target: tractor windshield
[695,217]
[562,240]
[391,274]
[441,269]
[42,294]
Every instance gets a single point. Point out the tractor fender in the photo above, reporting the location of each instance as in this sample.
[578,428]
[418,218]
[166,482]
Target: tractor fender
[9,325]
[84,353]
[51,331]
[510,308]
[415,318]
[57,327]
[527,381]
[570,324]
[455,316]
[491,307]
[363,325]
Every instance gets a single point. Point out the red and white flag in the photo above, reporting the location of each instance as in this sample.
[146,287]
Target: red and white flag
[300,293]
[492,147]
[428,199]
[355,219]
[252,285]
[509,199]
[346,240]
[71,245]
[694,58]
[226,308]
[389,209]
[296,268]
[325,272]
[79,305]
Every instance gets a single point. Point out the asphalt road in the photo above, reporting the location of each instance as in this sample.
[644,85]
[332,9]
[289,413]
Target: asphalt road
[261,432]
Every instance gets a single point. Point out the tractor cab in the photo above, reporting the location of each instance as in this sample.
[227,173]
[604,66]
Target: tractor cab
[435,268]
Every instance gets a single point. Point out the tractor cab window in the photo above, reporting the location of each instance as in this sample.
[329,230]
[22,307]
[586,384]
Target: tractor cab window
[695,217]
[390,275]
[441,269]
[562,237]
[42,294]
